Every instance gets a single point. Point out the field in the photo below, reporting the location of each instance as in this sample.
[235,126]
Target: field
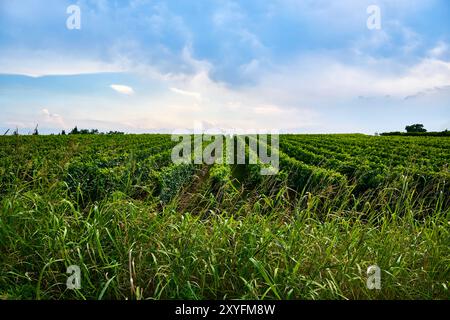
[141,227]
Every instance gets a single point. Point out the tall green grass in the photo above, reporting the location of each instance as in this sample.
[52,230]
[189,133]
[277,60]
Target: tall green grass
[284,246]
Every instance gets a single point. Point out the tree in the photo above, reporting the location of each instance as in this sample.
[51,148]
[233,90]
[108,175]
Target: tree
[415,128]
[63,133]
[84,131]
[36,132]
[74,130]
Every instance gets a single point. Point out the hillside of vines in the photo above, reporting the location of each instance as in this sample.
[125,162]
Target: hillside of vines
[142,227]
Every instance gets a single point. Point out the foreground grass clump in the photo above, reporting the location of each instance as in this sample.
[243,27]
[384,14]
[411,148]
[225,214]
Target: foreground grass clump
[264,249]
[205,232]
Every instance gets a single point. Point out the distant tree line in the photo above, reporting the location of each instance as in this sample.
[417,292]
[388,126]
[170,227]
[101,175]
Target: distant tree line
[63,132]
[90,131]
[417,130]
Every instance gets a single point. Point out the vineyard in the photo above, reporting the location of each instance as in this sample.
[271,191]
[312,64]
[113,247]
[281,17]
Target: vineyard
[142,227]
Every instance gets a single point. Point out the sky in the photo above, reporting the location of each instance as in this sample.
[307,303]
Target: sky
[311,66]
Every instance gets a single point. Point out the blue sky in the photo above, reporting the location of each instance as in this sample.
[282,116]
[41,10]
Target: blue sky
[296,66]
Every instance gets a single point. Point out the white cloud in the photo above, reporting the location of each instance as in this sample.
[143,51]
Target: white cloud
[195,95]
[43,63]
[311,80]
[120,88]
[268,110]
[439,51]
[53,118]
